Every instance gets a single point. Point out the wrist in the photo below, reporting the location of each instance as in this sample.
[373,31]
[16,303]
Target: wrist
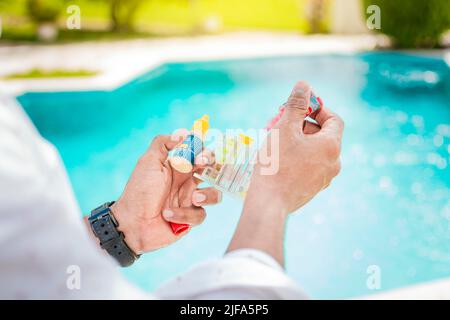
[104,226]
[262,200]
[264,212]
[262,226]
[126,226]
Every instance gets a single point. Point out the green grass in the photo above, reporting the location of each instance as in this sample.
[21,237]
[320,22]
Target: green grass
[26,34]
[162,18]
[99,35]
[56,73]
[234,14]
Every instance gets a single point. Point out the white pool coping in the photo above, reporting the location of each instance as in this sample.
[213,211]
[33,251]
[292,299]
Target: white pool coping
[122,61]
[434,290]
[119,62]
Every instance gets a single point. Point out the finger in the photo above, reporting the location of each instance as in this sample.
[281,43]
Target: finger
[328,142]
[204,159]
[185,192]
[206,196]
[310,127]
[188,215]
[162,144]
[333,171]
[330,123]
[296,107]
[180,134]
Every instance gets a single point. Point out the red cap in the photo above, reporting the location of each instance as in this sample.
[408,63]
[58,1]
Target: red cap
[178,228]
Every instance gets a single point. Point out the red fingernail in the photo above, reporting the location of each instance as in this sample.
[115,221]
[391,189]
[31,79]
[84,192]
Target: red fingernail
[320,101]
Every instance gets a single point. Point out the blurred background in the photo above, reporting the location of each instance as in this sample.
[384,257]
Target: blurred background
[114,19]
[411,23]
[101,78]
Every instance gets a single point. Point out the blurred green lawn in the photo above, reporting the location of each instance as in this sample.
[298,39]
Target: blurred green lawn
[164,17]
[56,73]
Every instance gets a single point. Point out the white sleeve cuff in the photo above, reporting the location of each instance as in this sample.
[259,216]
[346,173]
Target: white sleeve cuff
[241,274]
[256,255]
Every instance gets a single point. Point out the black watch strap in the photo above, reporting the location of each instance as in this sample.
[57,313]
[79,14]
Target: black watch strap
[104,226]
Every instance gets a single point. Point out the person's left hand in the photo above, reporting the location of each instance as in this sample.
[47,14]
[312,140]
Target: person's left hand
[156,194]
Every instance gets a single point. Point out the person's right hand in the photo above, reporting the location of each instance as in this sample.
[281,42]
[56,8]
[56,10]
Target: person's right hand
[308,156]
[156,194]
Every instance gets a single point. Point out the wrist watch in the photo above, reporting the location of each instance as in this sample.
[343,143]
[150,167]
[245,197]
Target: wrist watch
[104,226]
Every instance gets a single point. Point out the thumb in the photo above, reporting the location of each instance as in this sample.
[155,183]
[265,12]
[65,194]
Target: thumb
[162,144]
[296,107]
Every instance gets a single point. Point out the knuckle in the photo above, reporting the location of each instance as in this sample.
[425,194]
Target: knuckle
[219,196]
[299,103]
[157,139]
[337,168]
[216,196]
[201,216]
[180,215]
[332,148]
[156,142]
[163,149]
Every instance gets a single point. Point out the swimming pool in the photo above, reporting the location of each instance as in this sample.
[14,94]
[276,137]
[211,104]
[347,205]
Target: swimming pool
[390,206]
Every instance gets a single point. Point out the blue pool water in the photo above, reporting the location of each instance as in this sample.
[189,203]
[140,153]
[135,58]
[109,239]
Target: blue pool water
[390,206]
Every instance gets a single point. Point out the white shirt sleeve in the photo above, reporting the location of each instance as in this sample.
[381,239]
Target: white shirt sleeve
[46,252]
[239,275]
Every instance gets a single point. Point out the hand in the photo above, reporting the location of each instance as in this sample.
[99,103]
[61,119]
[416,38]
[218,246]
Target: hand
[156,194]
[308,161]
[308,154]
